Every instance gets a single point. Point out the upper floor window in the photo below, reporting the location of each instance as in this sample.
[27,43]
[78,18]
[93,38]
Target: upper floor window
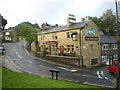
[114,46]
[42,37]
[54,36]
[72,35]
[105,46]
[68,35]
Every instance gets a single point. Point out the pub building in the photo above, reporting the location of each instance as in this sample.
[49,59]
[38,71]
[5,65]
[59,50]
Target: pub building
[74,40]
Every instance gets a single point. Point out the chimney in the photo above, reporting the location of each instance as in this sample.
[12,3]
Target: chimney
[86,18]
[71,19]
[45,26]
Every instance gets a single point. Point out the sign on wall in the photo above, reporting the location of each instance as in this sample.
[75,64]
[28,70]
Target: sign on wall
[50,42]
[91,38]
[90,32]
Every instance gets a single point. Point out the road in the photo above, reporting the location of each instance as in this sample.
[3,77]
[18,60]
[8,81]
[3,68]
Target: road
[17,54]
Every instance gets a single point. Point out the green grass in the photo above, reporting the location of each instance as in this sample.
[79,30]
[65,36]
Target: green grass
[0,78]
[19,80]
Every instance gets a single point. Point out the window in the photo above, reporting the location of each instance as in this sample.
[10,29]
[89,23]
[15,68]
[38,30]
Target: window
[114,57]
[105,46]
[104,58]
[42,37]
[54,36]
[70,48]
[72,35]
[54,47]
[94,61]
[114,46]
[68,35]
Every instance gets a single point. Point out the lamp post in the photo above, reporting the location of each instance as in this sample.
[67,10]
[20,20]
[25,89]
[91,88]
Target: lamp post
[118,46]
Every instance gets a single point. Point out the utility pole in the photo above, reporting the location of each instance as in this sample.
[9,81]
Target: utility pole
[118,46]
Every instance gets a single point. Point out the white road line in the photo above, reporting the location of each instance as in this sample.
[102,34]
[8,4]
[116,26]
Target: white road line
[16,53]
[47,67]
[67,69]
[85,75]
[19,56]
[99,75]
[15,59]
[28,61]
[103,75]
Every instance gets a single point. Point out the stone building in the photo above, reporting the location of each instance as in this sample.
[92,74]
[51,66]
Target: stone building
[10,35]
[108,49]
[74,39]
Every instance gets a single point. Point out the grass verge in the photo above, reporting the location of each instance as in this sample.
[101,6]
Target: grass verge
[19,80]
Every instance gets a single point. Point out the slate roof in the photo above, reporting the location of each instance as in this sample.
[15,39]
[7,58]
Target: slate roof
[64,28]
[108,39]
[11,30]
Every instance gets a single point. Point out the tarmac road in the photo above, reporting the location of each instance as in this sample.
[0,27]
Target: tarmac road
[17,55]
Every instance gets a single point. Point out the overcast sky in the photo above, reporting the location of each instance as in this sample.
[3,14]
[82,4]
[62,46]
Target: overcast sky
[51,11]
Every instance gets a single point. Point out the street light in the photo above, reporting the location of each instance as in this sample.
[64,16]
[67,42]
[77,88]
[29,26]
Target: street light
[118,46]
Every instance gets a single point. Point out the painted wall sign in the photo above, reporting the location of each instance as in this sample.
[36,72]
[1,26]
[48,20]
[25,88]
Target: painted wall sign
[50,42]
[91,38]
[90,32]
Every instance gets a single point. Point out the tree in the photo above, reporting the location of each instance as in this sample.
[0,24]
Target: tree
[108,20]
[28,31]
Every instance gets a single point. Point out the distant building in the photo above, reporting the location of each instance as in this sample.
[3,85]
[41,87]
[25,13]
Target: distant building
[108,49]
[74,39]
[10,35]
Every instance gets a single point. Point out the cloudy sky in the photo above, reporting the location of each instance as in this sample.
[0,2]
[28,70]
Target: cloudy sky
[51,11]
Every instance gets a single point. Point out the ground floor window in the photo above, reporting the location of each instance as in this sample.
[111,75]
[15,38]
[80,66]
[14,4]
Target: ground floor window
[70,48]
[104,59]
[94,61]
[55,47]
[114,57]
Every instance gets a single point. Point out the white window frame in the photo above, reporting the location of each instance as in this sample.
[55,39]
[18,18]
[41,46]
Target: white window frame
[114,46]
[115,57]
[105,47]
[54,36]
[104,59]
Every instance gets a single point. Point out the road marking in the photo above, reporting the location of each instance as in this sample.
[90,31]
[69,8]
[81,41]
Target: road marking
[99,75]
[85,75]
[15,59]
[67,69]
[47,67]
[28,61]
[19,56]
[103,75]
[16,53]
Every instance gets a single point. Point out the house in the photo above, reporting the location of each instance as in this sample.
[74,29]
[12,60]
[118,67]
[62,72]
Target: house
[10,35]
[108,49]
[74,39]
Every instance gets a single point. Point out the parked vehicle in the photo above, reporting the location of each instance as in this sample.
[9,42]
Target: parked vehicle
[114,68]
[2,50]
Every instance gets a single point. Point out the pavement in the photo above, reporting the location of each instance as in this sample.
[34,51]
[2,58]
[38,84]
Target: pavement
[4,61]
[60,63]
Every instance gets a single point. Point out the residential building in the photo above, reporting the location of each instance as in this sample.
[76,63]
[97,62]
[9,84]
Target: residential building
[75,39]
[108,49]
[10,35]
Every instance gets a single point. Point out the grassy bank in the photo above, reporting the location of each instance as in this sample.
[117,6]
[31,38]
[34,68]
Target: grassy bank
[19,80]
